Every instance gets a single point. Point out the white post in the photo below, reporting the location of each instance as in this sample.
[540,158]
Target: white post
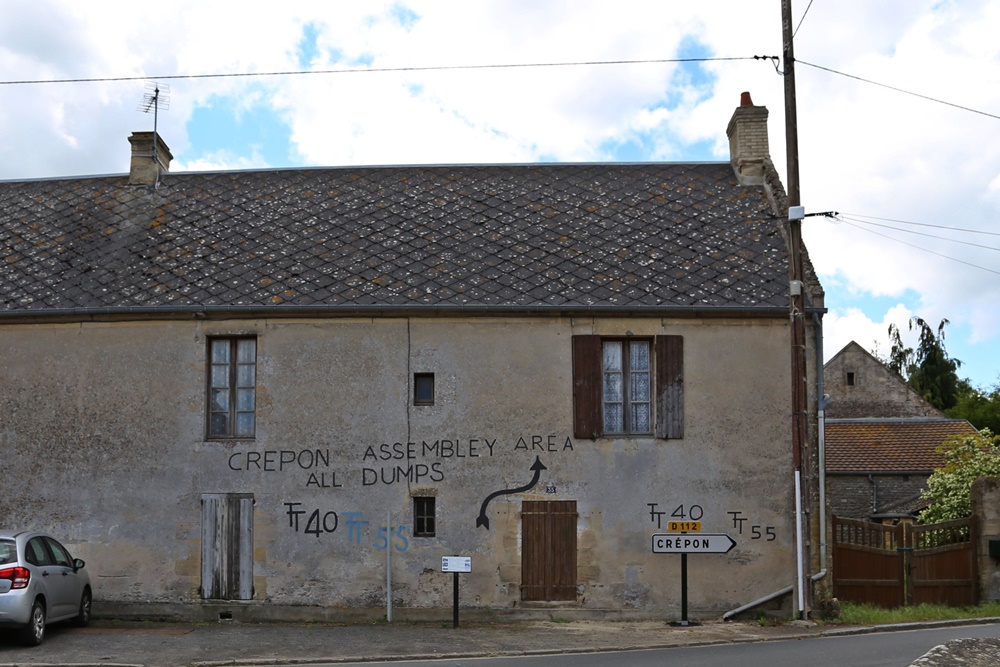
[798,543]
[388,566]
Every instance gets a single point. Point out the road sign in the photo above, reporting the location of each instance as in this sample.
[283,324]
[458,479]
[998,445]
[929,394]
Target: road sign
[456,564]
[678,543]
[684,526]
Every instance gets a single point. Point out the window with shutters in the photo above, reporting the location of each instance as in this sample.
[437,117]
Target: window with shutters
[232,387]
[628,386]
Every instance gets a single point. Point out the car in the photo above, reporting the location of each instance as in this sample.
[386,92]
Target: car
[40,583]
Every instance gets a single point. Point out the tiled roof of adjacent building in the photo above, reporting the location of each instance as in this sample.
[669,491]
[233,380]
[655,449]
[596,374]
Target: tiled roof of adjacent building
[546,236]
[889,445]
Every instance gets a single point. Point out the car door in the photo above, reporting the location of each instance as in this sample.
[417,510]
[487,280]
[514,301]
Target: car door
[64,583]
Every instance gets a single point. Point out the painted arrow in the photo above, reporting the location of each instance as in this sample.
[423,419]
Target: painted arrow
[483,520]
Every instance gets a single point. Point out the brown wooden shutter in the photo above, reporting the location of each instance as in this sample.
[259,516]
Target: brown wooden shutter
[586,387]
[548,550]
[669,386]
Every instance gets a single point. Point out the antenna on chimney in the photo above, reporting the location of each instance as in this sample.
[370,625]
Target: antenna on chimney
[155,99]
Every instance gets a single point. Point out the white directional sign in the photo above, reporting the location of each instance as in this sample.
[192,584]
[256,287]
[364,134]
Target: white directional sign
[700,543]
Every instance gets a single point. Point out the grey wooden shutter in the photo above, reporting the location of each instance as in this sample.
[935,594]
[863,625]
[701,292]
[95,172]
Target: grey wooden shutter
[669,386]
[227,546]
[586,386]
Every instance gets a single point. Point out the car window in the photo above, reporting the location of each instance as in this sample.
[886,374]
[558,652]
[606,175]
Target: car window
[8,552]
[59,552]
[36,553]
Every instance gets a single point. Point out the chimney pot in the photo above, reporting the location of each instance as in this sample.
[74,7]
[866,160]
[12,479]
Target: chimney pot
[150,158]
[745,100]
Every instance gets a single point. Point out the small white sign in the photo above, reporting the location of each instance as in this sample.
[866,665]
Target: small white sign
[456,564]
[682,543]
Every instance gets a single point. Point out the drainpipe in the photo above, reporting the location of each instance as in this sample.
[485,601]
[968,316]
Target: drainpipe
[824,400]
[874,494]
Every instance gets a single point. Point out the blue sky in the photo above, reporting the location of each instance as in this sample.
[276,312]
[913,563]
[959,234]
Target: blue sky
[872,153]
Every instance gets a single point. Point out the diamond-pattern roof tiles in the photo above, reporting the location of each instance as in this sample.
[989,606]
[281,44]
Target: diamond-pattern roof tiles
[663,235]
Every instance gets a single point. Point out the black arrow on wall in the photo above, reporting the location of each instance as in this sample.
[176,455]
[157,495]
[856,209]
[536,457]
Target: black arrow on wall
[536,466]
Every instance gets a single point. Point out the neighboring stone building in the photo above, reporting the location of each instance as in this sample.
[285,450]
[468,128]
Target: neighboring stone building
[241,393]
[860,386]
[881,439]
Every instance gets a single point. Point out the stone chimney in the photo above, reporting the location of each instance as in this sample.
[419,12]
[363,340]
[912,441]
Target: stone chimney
[149,159]
[748,148]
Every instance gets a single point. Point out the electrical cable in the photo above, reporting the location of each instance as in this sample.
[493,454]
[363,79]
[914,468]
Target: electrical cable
[796,31]
[440,68]
[898,90]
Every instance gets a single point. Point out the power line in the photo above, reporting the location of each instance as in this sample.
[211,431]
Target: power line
[922,224]
[440,68]
[803,18]
[891,238]
[912,231]
[898,90]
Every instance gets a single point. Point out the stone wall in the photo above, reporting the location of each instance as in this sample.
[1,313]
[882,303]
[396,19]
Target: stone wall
[986,508]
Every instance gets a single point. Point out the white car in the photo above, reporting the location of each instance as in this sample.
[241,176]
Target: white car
[40,583]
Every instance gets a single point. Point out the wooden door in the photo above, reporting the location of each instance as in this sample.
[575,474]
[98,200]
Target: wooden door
[548,550]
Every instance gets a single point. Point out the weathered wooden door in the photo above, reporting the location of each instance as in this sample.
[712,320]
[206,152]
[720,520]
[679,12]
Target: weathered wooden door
[227,546]
[548,550]
[906,564]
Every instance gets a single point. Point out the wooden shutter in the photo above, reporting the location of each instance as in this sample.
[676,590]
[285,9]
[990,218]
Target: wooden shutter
[587,387]
[227,546]
[669,386]
[548,550]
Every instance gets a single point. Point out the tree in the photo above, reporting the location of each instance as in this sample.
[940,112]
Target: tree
[981,407]
[967,458]
[927,369]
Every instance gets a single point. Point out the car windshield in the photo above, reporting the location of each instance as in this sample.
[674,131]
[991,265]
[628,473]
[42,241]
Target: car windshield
[8,551]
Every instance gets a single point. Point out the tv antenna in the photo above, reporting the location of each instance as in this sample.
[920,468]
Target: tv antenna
[156,97]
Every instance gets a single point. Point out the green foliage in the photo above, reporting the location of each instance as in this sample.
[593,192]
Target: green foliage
[863,614]
[967,458]
[927,369]
[981,407]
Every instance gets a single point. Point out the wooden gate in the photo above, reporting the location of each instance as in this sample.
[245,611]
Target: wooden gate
[548,550]
[906,564]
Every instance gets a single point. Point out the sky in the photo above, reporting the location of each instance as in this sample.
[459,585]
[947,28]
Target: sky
[897,105]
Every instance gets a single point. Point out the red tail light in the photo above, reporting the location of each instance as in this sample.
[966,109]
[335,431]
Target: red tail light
[18,576]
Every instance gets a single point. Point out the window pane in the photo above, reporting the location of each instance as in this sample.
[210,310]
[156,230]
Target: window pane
[640,418]
[220,400]
[639,355]
[613,418]
[640,387]
[246,351]
[612,356]
[245,399]
[219,424]
[613,387]
[220,376]
[244,423]
[246,375]
[220,351]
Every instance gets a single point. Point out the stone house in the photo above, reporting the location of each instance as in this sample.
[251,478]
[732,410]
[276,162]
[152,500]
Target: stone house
[291,393]
[881,439]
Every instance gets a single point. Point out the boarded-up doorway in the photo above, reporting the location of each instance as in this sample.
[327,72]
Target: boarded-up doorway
[227,546]
[548,550]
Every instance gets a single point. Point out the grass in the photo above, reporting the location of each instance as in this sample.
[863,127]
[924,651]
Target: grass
[855,614]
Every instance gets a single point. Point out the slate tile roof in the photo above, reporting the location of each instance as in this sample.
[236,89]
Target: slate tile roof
[639,236]
[889,445]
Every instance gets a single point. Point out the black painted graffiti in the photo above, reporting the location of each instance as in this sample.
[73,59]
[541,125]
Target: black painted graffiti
[413,474]
[739,522]
[546,444]
[537,467]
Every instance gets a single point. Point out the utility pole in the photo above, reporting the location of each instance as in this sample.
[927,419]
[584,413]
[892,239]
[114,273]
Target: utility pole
[796,302]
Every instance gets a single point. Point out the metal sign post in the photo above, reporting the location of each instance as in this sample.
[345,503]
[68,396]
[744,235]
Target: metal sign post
[456,564]
[684,544]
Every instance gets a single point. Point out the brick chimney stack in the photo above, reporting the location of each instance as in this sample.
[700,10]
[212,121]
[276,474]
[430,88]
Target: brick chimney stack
[748,147]
[149,160]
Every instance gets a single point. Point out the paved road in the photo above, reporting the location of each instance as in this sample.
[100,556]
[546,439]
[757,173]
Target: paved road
[174,645]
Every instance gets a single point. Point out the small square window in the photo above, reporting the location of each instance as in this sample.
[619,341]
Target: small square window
[423,388]
[423,516]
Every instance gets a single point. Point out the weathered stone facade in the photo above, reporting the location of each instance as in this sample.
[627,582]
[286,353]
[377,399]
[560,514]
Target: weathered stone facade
[860,386]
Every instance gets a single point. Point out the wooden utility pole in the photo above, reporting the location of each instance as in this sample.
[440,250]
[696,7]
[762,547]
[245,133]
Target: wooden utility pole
[796,298]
